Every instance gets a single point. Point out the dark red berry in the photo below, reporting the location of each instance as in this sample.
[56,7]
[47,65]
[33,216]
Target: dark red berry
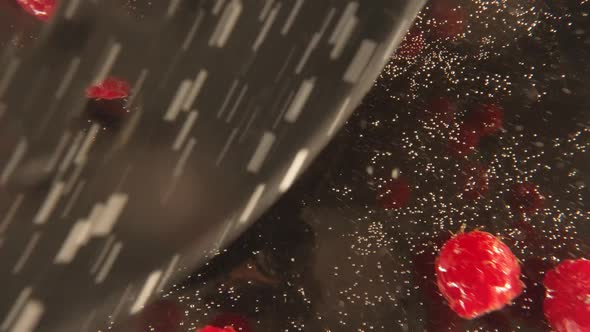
[412,44]
[394,194]
[526,232]
[525,198]
[442,109]
[567,300]
[487,119]
[42,9]
[477,273]
[449,18]
[466,141]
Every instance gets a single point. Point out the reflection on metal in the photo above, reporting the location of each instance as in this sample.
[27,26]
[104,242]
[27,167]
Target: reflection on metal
[267,80]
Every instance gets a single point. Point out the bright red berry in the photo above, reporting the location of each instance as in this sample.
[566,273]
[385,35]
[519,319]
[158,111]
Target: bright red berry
[210,328]
[477,273]
[42,9]
[111,88]
[567,300]
[395,194]
[525,198]
[487,119]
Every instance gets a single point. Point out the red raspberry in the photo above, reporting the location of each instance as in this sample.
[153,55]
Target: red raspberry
[477,273]
[111,88]
[525,198]
[210,328]
[42,9]
[567,301]
[395,194]
[487,119]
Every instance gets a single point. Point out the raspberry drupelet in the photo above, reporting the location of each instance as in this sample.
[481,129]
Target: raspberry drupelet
[477,274]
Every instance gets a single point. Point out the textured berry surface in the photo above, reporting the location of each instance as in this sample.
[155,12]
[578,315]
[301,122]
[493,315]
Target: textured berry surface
[42,9]
[477,273]
[111,88]
[567,301]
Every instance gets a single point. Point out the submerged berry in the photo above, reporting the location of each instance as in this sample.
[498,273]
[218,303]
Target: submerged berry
[477,273]
[395,194]
[449,18]
[525,198]
[487,119]
[466,142]
[412,44]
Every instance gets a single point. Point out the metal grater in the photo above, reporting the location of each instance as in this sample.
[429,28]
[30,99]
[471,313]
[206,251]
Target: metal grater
[231,100]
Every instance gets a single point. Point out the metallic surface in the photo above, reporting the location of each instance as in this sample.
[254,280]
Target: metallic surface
[231,101]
